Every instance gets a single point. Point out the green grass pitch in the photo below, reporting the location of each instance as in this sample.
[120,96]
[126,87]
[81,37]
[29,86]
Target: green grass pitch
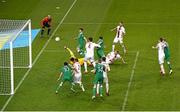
[145,21]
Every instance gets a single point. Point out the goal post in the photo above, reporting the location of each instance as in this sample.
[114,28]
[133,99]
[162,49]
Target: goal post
[15,52]
[11,68]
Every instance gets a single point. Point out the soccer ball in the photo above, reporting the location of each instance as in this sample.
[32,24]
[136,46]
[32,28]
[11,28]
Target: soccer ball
[57,39]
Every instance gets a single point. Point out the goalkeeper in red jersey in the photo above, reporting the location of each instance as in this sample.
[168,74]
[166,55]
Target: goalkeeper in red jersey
[46,23]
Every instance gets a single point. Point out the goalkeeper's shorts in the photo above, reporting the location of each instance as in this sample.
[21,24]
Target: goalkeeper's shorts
[46,25]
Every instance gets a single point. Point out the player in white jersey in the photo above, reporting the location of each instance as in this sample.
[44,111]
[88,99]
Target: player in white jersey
[160,46]
[120,32]
[112,56]
[77,73]
[89,55]
[107,69]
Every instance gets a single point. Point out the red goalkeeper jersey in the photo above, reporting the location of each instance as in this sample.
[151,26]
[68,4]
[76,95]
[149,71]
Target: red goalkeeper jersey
[46,20]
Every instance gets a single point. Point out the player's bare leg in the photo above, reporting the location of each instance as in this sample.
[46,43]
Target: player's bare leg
[85,67]
[107,89]
[94,92]
[78,49]
[59,86]
[72,87]
[101,90]
[170,67]
[124,48]
[162,70]
[107,86]
[82,87]
[97,89]
[123,60]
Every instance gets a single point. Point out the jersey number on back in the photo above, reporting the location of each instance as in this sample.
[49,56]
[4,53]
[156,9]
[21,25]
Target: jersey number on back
[66,69]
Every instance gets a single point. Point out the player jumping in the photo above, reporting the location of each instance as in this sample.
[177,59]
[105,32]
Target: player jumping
[89,55]
[167,55]
[81,42]
[161,55]
[66,74]
[46,23]
[120,32]
[100,50]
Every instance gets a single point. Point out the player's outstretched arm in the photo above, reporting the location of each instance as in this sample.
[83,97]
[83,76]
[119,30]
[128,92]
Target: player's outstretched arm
[70,51]
[97,45]
[113,29]
[85,39]
[154,47]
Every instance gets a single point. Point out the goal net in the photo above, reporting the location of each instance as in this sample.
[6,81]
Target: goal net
[15,51]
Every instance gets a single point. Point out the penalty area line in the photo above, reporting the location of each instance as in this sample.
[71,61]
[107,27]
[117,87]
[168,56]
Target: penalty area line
[130,82]
[37,57]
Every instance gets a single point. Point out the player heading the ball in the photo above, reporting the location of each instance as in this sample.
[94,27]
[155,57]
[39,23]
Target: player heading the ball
[81,42]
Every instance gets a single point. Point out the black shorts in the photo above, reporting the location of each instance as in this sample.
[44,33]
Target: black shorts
[46,25]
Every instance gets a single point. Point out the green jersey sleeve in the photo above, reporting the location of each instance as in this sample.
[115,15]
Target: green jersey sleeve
[101,43]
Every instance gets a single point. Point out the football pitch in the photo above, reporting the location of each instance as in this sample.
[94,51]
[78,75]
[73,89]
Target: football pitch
[135,86]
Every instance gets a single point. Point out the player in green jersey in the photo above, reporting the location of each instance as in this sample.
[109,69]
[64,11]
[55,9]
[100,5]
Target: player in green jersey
[81,42]
[67,75]
[167,55]
[98,70]
[100,50]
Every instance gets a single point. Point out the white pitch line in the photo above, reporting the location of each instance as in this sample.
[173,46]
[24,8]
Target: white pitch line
[130,81]
[37,57]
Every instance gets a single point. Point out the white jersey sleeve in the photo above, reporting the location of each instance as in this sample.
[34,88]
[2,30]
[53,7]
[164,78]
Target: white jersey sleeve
[96,45]
[123,30]
[90,48]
